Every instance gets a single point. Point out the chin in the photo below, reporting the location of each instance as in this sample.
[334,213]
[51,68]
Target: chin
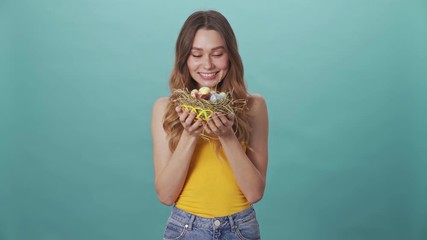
[210,84]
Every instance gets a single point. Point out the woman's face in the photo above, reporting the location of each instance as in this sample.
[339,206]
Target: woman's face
[208,60]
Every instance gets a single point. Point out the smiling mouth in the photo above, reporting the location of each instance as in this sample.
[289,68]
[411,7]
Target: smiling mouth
[208,76]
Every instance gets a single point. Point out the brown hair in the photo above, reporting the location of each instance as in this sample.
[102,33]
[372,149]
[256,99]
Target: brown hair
[180,77]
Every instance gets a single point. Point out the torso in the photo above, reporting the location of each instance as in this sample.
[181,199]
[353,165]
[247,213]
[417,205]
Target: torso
[210,189]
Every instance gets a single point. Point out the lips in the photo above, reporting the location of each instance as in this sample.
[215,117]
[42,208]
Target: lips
[208,76]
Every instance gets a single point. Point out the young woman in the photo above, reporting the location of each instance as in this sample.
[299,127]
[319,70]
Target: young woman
[211,183]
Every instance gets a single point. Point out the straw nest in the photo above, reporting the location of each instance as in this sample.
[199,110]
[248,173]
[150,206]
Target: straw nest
[205,108]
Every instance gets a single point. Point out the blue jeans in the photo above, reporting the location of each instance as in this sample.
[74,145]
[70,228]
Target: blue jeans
[183,225]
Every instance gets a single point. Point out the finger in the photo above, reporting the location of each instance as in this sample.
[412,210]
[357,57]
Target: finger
[198,130]
[183,116]
[207,128]
[216,119]
[190,118]
[224,119]
[196,125]
[178,109]
[212,126]
[231,116]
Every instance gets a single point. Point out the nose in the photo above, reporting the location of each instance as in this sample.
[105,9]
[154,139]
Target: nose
[207,63]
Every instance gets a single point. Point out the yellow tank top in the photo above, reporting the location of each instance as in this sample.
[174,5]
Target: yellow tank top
[210,189]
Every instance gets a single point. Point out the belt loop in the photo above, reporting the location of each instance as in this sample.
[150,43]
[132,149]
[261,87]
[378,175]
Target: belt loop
[190,223]
[232,226]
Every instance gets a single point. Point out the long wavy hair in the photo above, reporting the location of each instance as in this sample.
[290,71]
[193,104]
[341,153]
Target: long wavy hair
[180,77]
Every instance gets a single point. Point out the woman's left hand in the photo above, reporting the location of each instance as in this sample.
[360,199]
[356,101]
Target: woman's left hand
[220,124]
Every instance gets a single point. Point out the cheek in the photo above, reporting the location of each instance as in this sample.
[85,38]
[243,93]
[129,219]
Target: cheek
[222,63]
[191,65]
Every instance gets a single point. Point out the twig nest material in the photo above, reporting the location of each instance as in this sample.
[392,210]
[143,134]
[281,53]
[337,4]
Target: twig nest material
[205,101]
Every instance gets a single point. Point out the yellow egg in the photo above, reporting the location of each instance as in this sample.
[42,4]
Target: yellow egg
[204,90]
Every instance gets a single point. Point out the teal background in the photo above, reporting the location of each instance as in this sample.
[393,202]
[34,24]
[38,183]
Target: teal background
[345,83]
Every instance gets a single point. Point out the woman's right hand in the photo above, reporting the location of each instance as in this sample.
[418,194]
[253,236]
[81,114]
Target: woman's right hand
[193,128]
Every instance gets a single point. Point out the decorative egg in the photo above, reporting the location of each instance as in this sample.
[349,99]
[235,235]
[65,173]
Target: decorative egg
[204,90]
[214,97]
[222,94]
[203,96]
[194,93]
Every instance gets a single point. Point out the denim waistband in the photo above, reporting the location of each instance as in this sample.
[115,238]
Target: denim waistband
[208,223]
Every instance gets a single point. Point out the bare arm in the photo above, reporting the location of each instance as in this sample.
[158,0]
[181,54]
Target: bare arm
[249,168]
[171,169]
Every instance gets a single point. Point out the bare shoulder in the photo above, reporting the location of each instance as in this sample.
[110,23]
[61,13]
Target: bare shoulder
[160,104]
[158,111]
[256,104]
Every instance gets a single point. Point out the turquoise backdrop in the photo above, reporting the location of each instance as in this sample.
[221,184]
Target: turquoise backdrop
[345,83]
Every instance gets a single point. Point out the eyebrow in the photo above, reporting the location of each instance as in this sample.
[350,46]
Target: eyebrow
[213,49]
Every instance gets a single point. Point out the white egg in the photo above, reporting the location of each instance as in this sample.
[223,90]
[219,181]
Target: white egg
[194,93]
